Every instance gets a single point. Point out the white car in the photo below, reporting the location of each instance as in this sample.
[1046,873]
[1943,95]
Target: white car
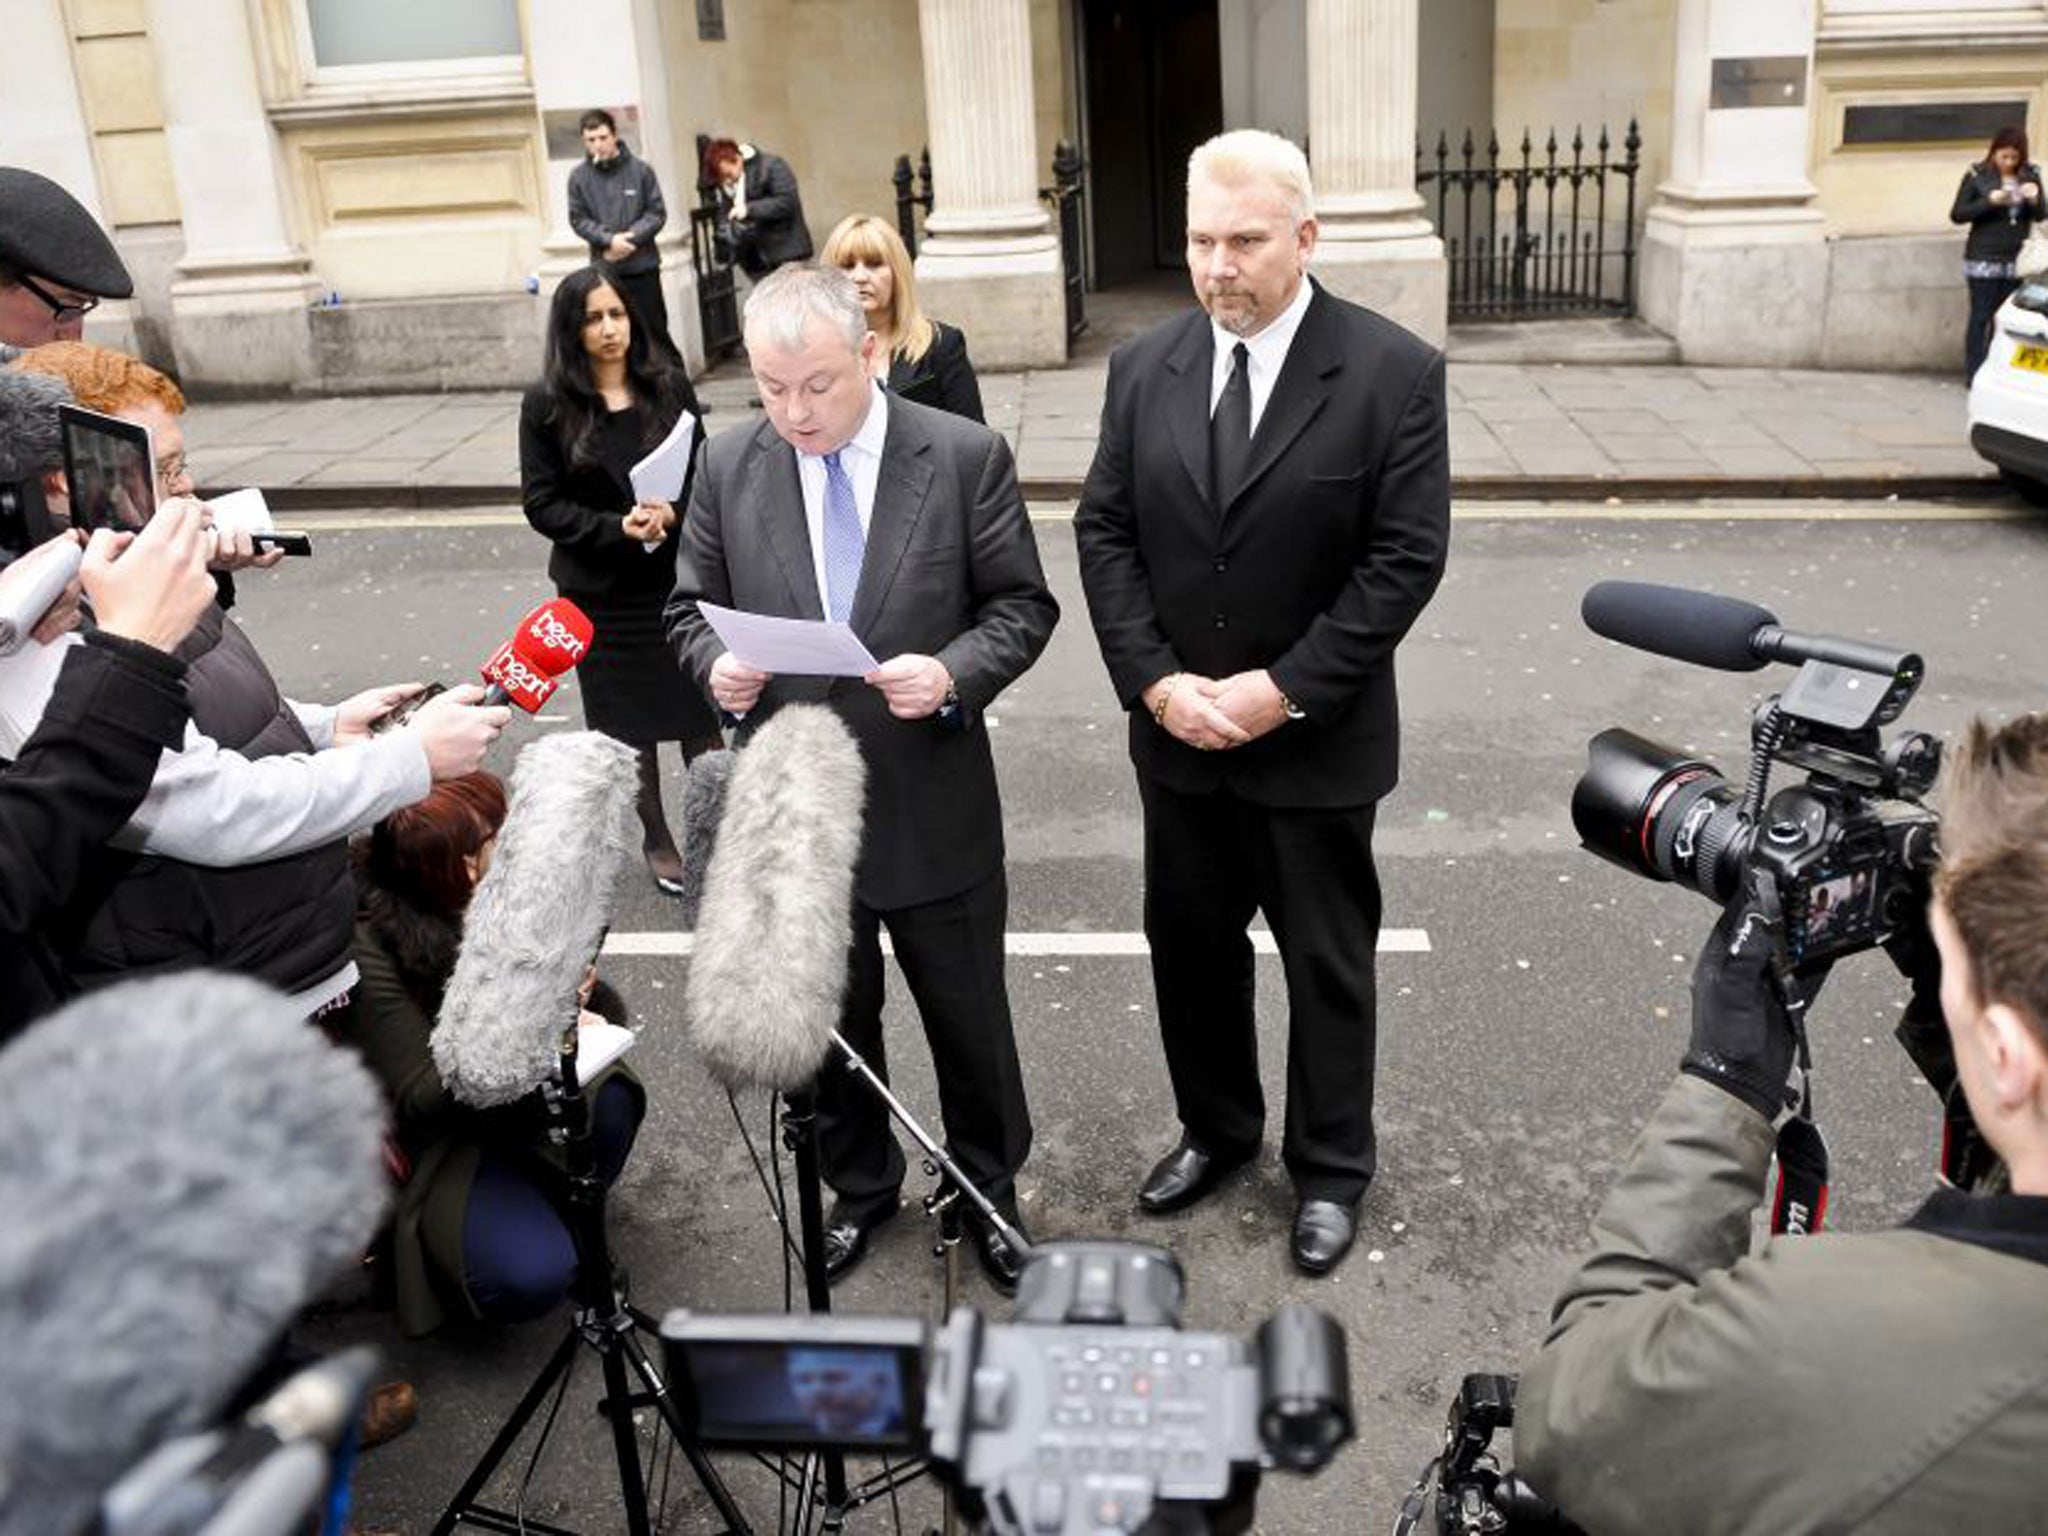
[2009,395]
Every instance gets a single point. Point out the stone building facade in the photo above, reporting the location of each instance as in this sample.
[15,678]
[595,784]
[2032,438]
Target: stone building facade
[359,194]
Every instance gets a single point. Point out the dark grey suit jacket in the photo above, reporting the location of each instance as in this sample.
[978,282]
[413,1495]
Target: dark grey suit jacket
[951,571]
[1325,556]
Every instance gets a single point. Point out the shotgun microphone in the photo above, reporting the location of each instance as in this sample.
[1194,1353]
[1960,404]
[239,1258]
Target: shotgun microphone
[538,917]
[1726,632]
[703,805]
[184,1164]
[768,967]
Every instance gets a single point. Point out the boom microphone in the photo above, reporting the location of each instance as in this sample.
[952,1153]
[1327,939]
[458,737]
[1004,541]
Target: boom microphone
[1724,632]
[183,1165]
[538,917]
[768,970]
[548,642]
[703,804]
[31,440]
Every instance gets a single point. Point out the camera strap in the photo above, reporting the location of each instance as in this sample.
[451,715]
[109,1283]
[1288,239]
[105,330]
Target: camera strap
[1801,1203]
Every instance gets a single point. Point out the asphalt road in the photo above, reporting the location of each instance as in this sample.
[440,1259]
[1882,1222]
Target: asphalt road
[1517,1055]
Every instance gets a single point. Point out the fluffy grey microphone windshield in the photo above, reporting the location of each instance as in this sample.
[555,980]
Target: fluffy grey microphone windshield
[184,1163]
[768,968]
[537,917]
[703,805]
[30,439]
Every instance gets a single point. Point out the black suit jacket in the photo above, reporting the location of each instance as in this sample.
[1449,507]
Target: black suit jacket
[1316,569]
[951,571]
[774,231]
[943,377]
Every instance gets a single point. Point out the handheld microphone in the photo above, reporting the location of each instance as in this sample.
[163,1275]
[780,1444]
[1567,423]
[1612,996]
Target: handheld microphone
[548,642]
[768,967]
[184,1164]
[538,917]
[30,586]
[1724,632]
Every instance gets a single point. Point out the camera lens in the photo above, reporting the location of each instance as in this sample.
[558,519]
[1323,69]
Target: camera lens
[1659,812]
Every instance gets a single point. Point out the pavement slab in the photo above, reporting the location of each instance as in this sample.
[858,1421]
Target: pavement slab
[1648,429]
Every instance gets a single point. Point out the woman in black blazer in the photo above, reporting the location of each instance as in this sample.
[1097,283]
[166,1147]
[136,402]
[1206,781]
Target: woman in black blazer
[607,398]
[927,361]
[2000,198]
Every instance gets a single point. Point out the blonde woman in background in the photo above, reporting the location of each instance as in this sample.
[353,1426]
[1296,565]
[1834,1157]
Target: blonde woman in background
[927,360]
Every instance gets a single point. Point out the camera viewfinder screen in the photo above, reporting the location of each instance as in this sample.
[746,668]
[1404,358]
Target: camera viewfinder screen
[762,1395]
[1839,909]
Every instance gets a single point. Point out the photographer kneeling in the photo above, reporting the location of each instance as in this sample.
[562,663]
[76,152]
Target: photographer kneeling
[1888,1381]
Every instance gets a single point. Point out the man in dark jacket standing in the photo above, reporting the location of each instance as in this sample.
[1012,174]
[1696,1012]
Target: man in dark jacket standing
[1267,513]
[1890,1381]
[615,204]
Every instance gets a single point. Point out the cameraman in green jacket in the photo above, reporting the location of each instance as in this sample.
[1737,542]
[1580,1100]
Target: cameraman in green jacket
[1893,1381]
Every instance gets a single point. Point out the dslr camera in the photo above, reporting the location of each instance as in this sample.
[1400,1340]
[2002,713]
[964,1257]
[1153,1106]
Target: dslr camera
[1090,1411]
[1848,848]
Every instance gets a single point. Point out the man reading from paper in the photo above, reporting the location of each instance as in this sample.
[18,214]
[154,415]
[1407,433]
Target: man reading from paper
[905,523]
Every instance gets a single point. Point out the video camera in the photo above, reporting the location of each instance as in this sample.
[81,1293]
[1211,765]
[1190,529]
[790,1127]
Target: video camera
[1090,1411]
[1848,849]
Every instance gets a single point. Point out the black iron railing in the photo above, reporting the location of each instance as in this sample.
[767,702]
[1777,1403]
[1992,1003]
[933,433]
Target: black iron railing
[1068,180]
[913,191]
[718,309]
[1069,183]
[1537,238]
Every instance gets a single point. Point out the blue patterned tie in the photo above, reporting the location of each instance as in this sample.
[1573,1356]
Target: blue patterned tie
[844,542]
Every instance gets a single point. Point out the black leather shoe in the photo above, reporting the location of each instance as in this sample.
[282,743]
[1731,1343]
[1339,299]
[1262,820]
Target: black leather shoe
[1182,1177]
[1002,1263]
[1323,1230]
[846,1239]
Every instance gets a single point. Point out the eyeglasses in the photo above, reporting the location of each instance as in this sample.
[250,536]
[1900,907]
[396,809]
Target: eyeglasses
[60,309]
[170,471]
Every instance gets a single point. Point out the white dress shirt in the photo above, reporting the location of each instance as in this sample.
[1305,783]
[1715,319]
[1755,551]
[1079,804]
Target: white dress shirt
[861,458]
[1266,352]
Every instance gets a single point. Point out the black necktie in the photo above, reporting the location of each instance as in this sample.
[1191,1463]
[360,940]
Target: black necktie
[1230,430]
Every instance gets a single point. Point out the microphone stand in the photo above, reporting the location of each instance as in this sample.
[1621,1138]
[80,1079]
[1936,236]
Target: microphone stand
[799,1134]
[604,1322]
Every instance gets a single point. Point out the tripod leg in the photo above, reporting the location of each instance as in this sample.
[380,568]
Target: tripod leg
[707,1475]
[487,1467]
[618,1407]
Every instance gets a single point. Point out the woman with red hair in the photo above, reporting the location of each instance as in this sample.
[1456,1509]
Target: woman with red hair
[478,1227]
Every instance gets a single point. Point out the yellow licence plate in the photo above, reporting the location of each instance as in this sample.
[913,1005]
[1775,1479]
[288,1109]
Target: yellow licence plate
[2034,359]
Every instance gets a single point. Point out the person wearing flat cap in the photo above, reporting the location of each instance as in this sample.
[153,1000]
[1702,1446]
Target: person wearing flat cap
[56,263]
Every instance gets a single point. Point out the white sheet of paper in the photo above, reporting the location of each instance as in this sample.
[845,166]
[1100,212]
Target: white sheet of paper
[243,510]
[659,476]
[793,647]
[599,1043]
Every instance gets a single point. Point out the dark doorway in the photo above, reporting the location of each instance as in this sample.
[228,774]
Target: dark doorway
[1154,73]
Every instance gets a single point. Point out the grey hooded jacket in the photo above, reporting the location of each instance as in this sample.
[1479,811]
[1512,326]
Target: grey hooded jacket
[619,196]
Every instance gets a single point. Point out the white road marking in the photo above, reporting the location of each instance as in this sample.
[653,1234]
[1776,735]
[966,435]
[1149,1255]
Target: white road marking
[1393,941]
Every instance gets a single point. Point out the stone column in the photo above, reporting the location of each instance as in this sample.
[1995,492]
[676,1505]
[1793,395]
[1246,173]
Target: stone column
[607,53]
[1376,244]
[1735,266]
[241,296]
[43,129]
[990,261]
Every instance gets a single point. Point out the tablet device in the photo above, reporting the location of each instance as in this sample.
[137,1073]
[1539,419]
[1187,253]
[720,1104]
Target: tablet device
[111,470]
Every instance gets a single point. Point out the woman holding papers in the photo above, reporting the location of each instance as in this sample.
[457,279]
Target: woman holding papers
[921,359]
[475,1230]
[607,440]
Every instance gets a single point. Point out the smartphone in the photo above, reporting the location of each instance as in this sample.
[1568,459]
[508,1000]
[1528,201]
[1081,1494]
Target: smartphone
[110,467]
[290,543]
[392,719]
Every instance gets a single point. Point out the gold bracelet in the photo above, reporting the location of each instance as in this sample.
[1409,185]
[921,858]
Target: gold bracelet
[1165,698]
